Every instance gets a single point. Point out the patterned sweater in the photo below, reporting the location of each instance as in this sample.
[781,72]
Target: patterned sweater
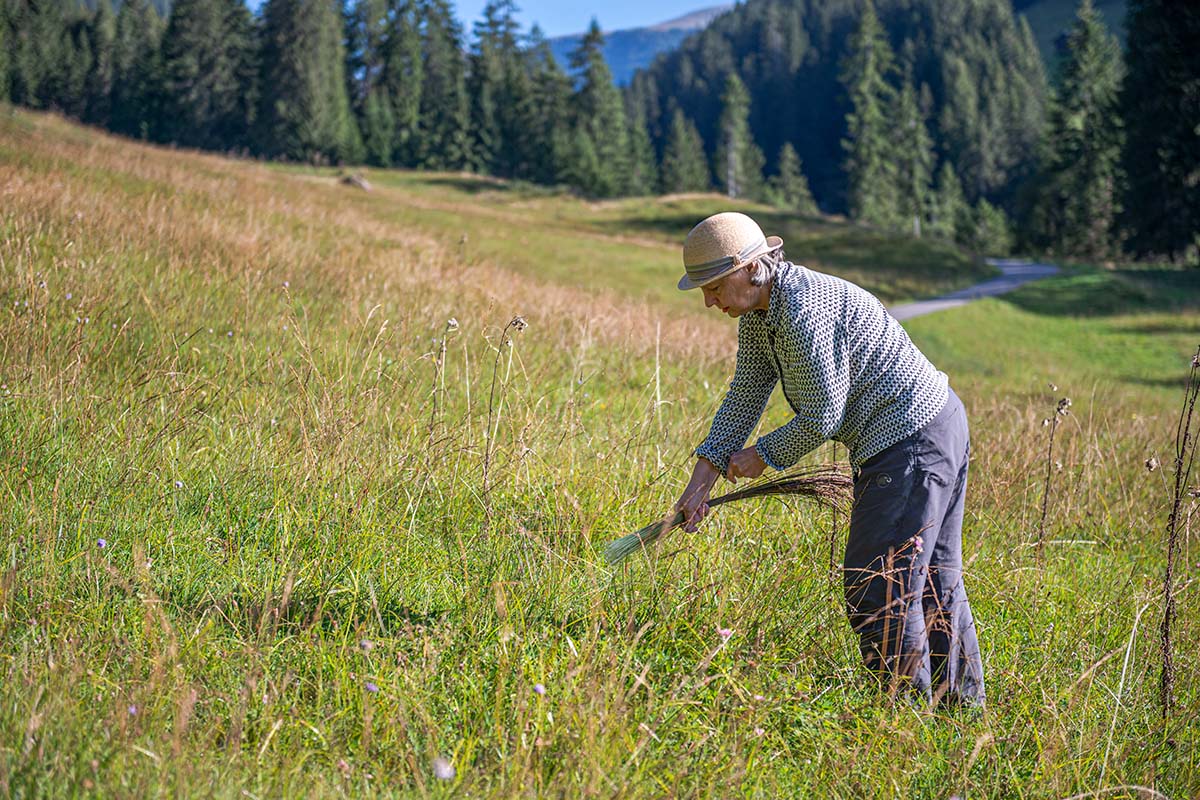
[849,372]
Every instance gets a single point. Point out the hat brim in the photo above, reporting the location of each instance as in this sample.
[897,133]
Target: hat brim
[773,244]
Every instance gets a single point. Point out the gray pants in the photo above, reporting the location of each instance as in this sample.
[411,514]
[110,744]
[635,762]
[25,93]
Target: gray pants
[903,579]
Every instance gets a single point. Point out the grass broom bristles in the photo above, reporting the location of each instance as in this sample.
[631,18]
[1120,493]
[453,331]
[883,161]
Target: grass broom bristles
[826,485]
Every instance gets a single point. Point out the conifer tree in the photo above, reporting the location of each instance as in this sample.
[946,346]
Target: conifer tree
[444,110]
[738,162]
[643,170]
[41,51]
[137,69]
[208,51]
[99,84]
[499,90]
[914,167]
[949,212]
[1077,188]
[70,95]
[378,127]
[788,188]
[4,45]
[548,114]
[403,76]
[684,167]
[990,231]
[305,113]
[870,164]
[367,23]
[1160,103]
[600,160]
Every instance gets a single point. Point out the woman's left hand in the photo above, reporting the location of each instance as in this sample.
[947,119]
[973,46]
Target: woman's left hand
[745,464]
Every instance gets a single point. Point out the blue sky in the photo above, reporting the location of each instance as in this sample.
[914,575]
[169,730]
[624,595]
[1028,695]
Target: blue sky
[558,18]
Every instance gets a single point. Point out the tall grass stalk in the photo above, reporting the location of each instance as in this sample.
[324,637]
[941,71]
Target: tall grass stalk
[1185,457]
[1061,410]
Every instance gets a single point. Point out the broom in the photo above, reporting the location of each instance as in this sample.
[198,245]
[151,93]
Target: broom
[826,485]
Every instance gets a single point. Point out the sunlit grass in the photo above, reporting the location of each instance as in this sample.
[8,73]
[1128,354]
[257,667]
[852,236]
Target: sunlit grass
[243,380]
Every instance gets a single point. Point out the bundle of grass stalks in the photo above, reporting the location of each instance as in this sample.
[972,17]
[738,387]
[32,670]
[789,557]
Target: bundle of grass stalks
[826,485]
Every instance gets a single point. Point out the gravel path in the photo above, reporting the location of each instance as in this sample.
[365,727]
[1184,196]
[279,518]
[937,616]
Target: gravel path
[1016,273]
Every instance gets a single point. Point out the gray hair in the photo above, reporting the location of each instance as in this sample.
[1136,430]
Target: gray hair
[767,266]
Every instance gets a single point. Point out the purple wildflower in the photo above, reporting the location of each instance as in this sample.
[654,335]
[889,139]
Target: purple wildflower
[372,688]
[538,689]
[102,543]
[725,633]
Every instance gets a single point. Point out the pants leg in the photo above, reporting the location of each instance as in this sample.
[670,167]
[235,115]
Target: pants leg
[903,569]
[955,662]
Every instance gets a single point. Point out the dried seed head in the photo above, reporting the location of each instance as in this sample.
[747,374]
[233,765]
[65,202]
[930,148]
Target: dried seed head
[443,769]
[1053,388]
[1045,422]
[1063,406]
[451,324]
[518,323]
[1151,463]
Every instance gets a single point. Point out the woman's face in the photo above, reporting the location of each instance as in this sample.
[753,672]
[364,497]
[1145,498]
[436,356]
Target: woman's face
[734,294]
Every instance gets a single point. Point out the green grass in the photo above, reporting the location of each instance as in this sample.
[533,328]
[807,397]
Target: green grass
[296,512]
[630,245]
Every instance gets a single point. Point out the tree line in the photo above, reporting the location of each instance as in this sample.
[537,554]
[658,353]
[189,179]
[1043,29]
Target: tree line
[917,121]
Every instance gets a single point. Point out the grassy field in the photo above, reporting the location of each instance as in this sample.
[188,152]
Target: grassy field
[274,526]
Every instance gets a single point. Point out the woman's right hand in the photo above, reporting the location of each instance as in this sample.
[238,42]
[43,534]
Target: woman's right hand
[694,501]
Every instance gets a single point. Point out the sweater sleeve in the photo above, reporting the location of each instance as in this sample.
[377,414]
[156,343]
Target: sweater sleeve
[817,384]
[753,380]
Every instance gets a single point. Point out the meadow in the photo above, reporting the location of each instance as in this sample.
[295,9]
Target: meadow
[291,505]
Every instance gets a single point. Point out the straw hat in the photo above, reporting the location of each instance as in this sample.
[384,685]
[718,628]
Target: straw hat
[721,244]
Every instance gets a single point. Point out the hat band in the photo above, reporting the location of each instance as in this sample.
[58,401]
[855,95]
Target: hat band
[703,273]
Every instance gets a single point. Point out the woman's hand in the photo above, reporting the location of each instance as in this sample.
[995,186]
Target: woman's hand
[694,501]
[745,464]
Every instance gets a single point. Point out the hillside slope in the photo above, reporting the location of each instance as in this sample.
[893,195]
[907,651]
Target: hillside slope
[304,494]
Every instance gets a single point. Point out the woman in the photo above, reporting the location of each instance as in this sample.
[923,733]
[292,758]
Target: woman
[851,374]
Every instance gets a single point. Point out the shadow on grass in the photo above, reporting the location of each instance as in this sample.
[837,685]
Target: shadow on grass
[1109,293]
[470,184]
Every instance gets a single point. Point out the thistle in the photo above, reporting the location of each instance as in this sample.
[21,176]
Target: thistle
[826,485]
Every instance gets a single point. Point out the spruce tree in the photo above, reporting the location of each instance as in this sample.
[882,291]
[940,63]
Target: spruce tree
[99,85]
[600,166]
[499,89]
[990,231]
[738,162]
[684,167]
[305,113]
[547,132]
[1160,103]
[788,188]
[208,52]
[914,158]
[444,117]
[367,23]
[870,164]
[4,45]
[378,127]
[643,170]
[1077,188]
[949,212]
[403,76]
[137,70]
